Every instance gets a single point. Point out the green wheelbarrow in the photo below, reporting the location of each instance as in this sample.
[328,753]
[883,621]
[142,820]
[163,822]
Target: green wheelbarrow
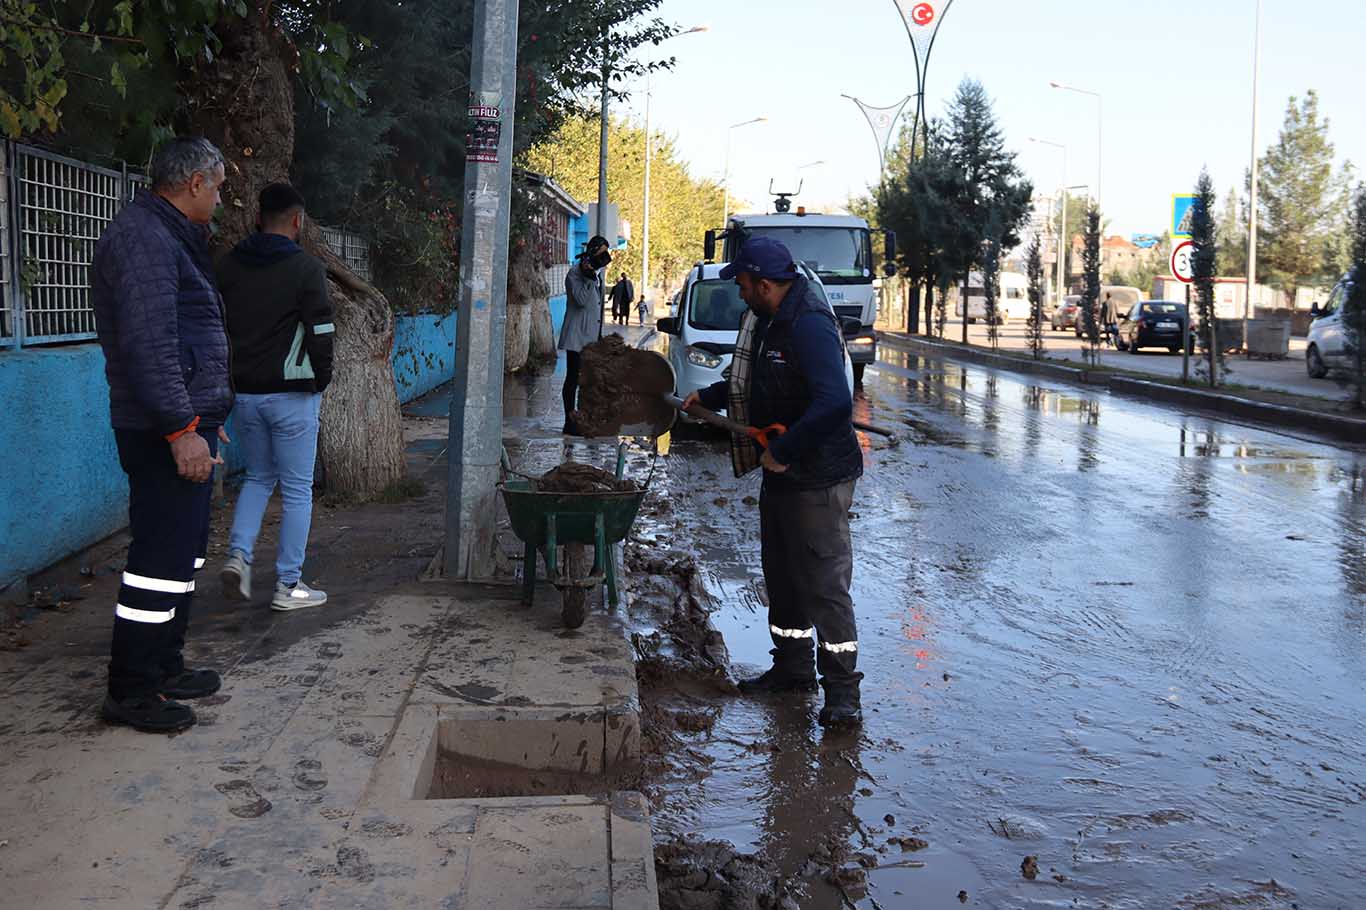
[545,522]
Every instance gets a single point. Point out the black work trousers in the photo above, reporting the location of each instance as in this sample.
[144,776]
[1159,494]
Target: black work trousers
[808,567]
[570,392]
[168,518]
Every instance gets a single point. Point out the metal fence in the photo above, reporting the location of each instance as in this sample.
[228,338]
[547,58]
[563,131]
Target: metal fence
[352,248]
[53,209]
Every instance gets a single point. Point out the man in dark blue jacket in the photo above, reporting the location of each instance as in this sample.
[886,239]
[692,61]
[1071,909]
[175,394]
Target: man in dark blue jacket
[160,323]
[790,371]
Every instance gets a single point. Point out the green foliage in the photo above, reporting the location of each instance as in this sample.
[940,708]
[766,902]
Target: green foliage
[1301,202]
[1090,294]
[1153,262]
[1076,227]
[682,207]
[1203,268]
[991,275]
[1230,234]
[1037,293]
[1354,305]
[44,48]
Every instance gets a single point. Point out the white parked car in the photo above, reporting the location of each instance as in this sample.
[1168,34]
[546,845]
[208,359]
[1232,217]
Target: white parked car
[704,329]
[1328,348]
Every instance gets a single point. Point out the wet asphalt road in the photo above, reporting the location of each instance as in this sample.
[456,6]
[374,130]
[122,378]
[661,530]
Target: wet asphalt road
[1128,640]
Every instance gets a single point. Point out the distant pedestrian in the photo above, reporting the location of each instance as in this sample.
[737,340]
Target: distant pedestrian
[788,369]
[582,319]
[1109,319]
[160,323]
[280,322]
[643,309]
[623,292]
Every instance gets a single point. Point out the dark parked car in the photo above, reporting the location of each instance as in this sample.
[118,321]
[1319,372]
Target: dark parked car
[1152,324]
[1065,316]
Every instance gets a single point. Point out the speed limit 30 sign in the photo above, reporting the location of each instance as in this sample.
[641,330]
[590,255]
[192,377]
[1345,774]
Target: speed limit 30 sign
[1183,266]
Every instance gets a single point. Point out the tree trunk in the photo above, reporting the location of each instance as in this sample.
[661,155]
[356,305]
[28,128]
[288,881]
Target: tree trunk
[542,329]
[526,284]
[244,104]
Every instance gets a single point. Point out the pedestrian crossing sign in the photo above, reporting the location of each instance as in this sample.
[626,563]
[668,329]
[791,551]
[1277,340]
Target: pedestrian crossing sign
[1183,205]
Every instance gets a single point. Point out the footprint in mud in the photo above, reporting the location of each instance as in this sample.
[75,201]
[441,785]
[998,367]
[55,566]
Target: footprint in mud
[308,774]
[354,863]
[243,800]
[330,650]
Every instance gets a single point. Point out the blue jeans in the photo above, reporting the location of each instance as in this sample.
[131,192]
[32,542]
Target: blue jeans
[277,435]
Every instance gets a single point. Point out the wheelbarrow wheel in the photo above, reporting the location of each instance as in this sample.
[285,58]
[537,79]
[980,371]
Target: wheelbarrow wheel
[578,563]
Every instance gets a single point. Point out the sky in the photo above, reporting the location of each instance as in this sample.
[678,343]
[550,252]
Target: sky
[1175,79]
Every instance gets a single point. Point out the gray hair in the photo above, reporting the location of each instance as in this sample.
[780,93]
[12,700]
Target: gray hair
[181,158]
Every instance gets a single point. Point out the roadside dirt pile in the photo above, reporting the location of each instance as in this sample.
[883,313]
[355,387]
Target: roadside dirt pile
[617,388]
[712,875]
[572,477]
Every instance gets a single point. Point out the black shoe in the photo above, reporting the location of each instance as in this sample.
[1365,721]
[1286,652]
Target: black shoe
[191,684]
[775,681]
[841,709]
[570,429]
[149,713]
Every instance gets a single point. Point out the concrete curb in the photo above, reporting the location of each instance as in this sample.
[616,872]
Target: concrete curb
[1350,429]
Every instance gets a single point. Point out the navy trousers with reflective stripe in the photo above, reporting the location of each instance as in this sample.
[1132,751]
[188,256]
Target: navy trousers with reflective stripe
[168,518]
[808,562]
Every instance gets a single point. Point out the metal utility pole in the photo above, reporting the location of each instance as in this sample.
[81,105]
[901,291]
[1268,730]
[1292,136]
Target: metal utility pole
[601,227]
[1062,231]
[1100,132]
[476,413]
[1252,202]
[645,215]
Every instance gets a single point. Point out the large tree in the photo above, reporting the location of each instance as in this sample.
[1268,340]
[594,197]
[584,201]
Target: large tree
[996,200]
[1354,306]
[682,206]
[1230,231]
[237,68]
[1300,201]
[1202,268]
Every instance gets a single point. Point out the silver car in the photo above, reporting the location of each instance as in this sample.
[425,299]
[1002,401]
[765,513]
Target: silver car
[1329,348]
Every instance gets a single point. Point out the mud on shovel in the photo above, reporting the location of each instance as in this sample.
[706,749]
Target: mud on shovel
[654,373]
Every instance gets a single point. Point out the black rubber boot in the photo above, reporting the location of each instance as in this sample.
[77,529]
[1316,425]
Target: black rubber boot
[191,684]
[149,713]
[841,708]
[775,681]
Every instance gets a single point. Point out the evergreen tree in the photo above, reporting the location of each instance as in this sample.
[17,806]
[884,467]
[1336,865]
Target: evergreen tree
[1202,266]
[1090,294]
[1299,201]
[1354,305]
[991,272]
[1034,272]
[994,203]
[1231,235]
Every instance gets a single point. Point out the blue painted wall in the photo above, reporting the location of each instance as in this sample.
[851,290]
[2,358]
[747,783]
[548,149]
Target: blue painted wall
[61,488]
[557,308]
[424,354]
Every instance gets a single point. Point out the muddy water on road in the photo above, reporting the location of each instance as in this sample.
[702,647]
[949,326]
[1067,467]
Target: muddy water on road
[1126,640]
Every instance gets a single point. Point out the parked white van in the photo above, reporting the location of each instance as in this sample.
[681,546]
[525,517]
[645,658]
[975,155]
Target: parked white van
[703,331]
[1012,298]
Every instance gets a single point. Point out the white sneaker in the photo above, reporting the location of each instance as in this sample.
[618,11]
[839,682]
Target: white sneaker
[236,578]
[296,597]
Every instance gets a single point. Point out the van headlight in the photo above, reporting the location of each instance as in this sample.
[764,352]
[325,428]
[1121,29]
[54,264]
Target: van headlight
[705,359]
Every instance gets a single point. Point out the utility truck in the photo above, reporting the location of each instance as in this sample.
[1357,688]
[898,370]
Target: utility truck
[838,248]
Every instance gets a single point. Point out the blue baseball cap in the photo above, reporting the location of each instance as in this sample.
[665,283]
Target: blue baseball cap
[762,257]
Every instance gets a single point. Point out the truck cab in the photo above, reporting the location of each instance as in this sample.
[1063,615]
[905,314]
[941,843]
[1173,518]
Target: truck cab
[839,250]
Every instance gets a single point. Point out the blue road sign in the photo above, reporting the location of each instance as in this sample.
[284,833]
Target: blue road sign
[1183,204]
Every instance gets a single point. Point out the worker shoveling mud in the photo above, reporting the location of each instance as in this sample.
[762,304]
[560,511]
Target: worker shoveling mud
[621,389]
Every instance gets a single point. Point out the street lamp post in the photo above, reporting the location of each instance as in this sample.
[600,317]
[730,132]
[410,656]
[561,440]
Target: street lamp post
[1062,230]
[645,214]
[725,179]
[1100,151]
[1252,198]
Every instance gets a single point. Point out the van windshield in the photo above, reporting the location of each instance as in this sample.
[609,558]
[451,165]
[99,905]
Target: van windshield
[715,306]
[831,252]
